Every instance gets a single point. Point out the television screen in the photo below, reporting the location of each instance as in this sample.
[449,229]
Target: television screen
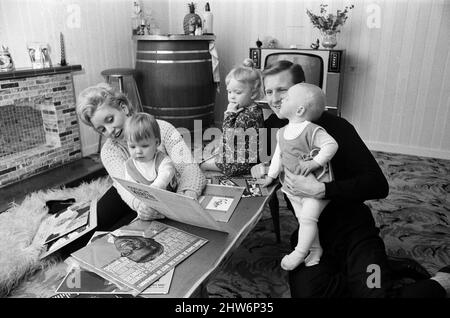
[312,65]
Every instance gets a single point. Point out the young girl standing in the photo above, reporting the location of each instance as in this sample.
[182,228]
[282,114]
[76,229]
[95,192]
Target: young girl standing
[241,123]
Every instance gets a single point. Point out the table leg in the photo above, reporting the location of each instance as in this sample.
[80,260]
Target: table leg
[274,206]
[201,291]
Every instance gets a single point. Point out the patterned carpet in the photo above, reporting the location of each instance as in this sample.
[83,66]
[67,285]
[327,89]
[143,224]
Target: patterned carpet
[414,221]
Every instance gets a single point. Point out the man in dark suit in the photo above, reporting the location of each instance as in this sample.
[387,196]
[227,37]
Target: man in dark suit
[354,261]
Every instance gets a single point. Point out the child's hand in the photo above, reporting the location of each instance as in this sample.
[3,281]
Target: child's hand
[191,194]
[268,182]
[306,167]
[234,108]
[258,171]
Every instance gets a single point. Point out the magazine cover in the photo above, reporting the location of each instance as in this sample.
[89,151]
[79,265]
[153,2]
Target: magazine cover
[185,209]
[138,254]
[81,281]
[80,219]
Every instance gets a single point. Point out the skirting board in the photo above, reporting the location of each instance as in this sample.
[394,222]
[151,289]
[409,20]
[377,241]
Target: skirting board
[408,150]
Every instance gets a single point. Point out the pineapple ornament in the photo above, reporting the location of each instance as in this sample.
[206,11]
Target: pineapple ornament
[192,20]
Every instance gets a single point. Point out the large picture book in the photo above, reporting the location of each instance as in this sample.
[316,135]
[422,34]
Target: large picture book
[217,203]
[138,254]
[60,229]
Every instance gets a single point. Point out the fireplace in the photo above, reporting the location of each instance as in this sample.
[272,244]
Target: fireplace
[38,124]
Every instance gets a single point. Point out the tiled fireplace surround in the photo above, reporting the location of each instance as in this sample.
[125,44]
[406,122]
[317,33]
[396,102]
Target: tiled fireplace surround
[38,124]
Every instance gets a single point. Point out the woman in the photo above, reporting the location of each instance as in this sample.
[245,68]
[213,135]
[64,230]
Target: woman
[105,110]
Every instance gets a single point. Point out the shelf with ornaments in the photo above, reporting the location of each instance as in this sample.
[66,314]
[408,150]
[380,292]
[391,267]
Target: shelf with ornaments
[31,72]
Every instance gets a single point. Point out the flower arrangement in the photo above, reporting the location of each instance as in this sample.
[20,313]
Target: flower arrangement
[327,22]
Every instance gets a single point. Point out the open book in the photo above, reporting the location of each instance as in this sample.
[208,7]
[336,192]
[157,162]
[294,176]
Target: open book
[217,203]
[138,254]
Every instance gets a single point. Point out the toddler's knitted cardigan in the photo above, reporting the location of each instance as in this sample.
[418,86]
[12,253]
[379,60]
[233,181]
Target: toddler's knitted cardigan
[190,177]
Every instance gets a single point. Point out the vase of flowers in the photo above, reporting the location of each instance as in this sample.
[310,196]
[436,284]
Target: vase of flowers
[329,24]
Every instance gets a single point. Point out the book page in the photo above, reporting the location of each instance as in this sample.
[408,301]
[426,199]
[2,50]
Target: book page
[221,201]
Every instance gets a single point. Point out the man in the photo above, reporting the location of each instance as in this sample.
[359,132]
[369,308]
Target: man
[353,251]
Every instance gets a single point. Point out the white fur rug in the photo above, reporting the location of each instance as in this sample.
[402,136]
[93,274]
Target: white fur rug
[19,257]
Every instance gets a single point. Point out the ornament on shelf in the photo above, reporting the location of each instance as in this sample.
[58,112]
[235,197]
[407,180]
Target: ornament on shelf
[63,50]
[207,20]
[315,45]
[6,62]
[191,21]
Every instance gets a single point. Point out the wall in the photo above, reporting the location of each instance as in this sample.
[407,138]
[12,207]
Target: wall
[97,35]
[396,86]
[396,91]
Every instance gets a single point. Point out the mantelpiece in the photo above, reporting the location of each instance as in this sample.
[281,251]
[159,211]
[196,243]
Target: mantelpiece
[29,72]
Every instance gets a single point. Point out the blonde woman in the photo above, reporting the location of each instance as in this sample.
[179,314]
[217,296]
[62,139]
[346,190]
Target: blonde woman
[106,109]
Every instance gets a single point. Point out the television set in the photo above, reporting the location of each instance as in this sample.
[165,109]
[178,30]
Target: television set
[323,68]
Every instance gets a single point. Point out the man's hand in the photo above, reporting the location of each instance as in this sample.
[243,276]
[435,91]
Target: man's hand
[234,108]
[258,171]
[306,167]
[268,182]
[191,194]
[304,186]
[147,213]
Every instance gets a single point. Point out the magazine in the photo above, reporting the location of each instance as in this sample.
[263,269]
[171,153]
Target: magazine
[187,210]
[58,230]
[134,262]
[81,281]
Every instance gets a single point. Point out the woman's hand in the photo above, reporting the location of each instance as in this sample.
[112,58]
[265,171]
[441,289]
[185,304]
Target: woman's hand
[147,213]
[191,194]
[306,167]
[304,186]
